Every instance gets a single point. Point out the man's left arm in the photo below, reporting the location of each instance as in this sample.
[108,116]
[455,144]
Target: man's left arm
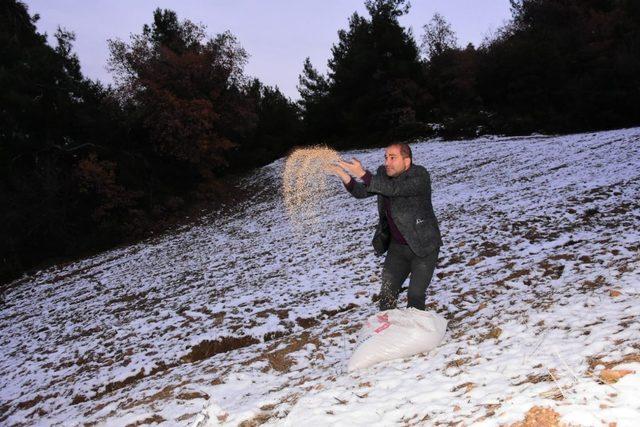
[415,185]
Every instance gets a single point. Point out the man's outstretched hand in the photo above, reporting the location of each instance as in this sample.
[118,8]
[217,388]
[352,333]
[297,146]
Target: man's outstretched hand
[354,167]
[337,171]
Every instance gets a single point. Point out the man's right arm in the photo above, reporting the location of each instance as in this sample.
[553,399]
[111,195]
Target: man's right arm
[357,189]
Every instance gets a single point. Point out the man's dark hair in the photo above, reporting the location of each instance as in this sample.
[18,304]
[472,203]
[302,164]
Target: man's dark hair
[405,150]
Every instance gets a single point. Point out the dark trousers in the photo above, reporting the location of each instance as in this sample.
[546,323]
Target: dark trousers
[399,263]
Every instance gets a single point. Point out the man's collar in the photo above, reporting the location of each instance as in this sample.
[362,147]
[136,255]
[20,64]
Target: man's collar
[406,172]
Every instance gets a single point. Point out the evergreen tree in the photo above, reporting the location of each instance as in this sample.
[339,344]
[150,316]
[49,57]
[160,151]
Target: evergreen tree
[315,102]
[277,128]
[47,127]
[564,65]
[373,87]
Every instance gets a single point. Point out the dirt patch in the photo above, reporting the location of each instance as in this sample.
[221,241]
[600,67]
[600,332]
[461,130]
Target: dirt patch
[27,404]
[282,314]
[207,348]
[539,417]
[155,419]
[467,387]
[553,271]
[493,333]
[490,249]
[280,360]
[474,261]
[274,335]
[455,259]
[258,420]
[163,395]
[331,313]
[127,298]
[190,395]
[532,235]
[78,398]
[589,285]
[565,257]
[457,363]
[117,385]
[306,322]
[594,361]
[610,376]
[535,379]
[516,274]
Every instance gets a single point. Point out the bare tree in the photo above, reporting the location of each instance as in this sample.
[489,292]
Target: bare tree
[438,36]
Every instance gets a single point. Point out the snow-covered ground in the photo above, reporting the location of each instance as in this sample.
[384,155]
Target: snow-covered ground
[245,318]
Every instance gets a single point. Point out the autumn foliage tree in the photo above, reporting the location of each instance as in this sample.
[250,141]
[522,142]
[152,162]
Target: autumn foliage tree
[85,167]
[186,89]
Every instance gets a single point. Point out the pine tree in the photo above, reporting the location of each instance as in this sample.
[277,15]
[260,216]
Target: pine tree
[374,84]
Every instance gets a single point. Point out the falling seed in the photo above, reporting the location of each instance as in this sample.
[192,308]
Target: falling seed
[306,184]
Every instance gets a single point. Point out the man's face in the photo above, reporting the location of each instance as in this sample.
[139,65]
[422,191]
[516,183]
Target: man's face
[394,163]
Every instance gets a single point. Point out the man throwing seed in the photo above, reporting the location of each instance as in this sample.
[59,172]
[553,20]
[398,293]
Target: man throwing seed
[407,229]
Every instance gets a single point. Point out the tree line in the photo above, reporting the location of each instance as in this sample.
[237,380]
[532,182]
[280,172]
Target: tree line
[558,66]
[84,167]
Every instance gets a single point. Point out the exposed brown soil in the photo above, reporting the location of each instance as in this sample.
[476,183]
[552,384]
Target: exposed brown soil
[306,322]
[155,419]
[611,376]
[257,420]
[468,386]
[539,417]
[331,313]
[117,385]
[207,348]
[535,379]
[274,335]
[280,361]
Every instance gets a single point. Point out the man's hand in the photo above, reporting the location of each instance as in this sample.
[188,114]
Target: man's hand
[354,167]
[337,171]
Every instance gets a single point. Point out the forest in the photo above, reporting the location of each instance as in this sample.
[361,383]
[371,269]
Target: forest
[85,167]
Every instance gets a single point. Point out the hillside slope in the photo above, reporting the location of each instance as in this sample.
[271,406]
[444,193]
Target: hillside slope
[246,318]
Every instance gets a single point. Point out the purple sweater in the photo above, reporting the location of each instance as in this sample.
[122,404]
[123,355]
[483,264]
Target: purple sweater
[396,236]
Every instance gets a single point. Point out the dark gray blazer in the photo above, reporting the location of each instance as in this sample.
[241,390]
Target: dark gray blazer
[411,209]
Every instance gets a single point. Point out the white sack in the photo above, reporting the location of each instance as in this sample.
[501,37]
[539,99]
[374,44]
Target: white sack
[393,334]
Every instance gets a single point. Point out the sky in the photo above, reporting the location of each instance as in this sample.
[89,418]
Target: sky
[277,34]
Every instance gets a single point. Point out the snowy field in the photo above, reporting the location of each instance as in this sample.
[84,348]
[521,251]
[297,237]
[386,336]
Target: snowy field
[247,320]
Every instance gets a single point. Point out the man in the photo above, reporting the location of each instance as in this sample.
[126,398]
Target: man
[407,229]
